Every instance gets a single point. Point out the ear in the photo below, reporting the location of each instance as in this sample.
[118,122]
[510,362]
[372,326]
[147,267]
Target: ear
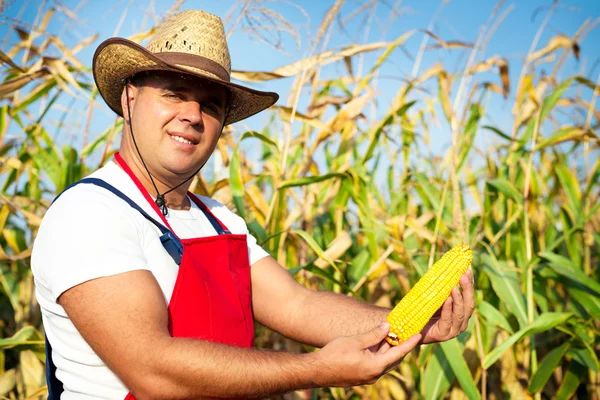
[128,97]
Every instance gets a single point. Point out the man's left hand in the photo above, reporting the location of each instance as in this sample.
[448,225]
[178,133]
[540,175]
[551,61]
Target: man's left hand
[453,318]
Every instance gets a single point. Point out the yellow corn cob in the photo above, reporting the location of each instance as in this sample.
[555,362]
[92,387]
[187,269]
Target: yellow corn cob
[415,309]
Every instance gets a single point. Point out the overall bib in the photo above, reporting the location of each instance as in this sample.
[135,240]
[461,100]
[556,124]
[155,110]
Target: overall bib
[212,298]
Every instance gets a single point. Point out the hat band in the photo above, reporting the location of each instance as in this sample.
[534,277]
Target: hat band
[195,61]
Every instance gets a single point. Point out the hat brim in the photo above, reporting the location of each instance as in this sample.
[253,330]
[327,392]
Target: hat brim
[117,59]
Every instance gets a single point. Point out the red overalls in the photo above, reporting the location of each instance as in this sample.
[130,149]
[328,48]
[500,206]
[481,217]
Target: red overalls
[212,298]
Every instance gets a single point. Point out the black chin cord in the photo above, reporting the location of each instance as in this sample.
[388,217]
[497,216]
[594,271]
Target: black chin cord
[160,201]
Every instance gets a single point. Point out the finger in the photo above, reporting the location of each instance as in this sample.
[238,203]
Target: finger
[374,336]
[458,311]
[395,354]
[445,322]
[468,294]
[384,347]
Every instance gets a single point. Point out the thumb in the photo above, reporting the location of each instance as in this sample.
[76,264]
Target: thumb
[374,336]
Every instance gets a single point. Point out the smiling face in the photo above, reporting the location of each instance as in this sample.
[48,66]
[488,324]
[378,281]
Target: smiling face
[177,120]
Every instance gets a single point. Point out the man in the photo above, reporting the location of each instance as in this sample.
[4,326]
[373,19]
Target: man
[149,291]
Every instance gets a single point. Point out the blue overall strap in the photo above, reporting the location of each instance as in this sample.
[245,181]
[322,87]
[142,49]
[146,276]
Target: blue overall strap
[55,387]
[213,221]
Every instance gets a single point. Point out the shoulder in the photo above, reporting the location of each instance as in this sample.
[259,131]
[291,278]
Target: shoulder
[88,200]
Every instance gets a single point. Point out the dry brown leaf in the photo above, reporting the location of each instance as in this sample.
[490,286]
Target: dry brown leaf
[31,371]
[494,61]
[138,37]
[8,87]
[446,44]
[444,92]
[434,70]
[307,63]
[6,59]
[286,115]
[336,249]
[493,87]
[70,14]
[349,111]
[22,33]
[62,69]
[65,51]
[257,199]
[318,107]
[83,44]
[8,379]
[44,24]
[255,76]
[556,43]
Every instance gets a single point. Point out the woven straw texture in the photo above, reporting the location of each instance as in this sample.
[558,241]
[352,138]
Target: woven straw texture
[192,32]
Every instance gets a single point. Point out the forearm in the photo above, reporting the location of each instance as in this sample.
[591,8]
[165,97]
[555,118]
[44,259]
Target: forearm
[323,316]
[187,368]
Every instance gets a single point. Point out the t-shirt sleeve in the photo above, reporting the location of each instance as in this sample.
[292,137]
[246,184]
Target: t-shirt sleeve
[86,235]
[255,251]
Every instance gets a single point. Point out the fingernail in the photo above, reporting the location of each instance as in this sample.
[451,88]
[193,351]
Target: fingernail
[470,273]
[384,325]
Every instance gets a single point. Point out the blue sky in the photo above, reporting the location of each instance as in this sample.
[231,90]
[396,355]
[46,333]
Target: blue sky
[458,20]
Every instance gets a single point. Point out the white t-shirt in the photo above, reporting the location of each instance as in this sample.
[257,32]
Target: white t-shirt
[90,233]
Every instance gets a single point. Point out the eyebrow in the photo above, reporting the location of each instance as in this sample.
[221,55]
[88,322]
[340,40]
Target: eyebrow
[176,87]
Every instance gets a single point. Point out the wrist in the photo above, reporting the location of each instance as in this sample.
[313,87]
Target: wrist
[316,370]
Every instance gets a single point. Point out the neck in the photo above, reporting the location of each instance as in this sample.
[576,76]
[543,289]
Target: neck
[176,199]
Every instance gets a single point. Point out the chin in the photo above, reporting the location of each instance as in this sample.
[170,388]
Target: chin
[182,167]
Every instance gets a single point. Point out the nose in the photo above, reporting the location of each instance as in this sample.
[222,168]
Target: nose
[191,113]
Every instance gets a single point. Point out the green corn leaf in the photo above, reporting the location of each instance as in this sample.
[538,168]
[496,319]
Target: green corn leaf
[23,337]
[469,134]
[359,266]
[4,121]
[507,188]
[102,139]
[375,134]
[547,106]
[506,285]
[315,247]
[564,267]
[544,322]
[582,296]
[40,91]
[546,367]
[493,316]
[571,380]
[498,132]
[585,356]
[323,273]
[266,140]
[236,184]
[593,181]
[363,83]
[562,135]
[310,180]
[571,188]
[438,376]
[455,358]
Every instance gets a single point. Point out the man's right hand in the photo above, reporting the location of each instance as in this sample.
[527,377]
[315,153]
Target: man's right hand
[360,359]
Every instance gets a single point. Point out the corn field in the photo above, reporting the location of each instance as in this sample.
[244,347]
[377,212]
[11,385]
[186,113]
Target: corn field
[346,191]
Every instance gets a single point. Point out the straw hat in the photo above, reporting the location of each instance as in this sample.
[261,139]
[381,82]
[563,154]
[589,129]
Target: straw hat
[192,42]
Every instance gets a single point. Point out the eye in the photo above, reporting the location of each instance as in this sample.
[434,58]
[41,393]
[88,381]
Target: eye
[211,106]
[173,96]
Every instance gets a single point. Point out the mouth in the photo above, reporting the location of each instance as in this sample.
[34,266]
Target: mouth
[185,139]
